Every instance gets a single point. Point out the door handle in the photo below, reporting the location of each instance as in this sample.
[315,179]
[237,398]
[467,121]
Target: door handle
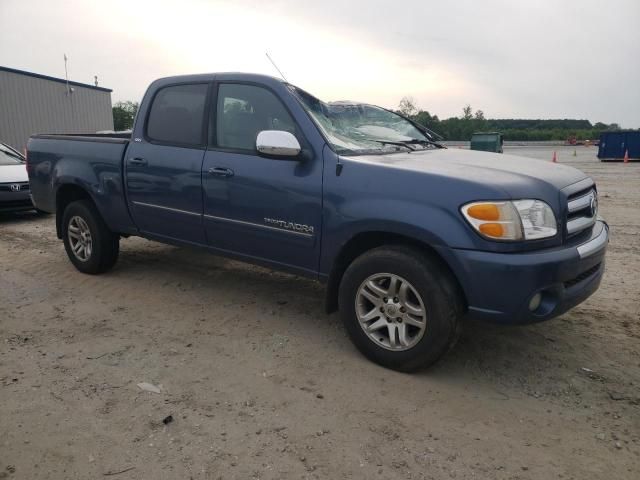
[221,172]
[141,162]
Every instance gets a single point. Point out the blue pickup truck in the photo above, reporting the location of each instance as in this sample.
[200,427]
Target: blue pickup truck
[409,237]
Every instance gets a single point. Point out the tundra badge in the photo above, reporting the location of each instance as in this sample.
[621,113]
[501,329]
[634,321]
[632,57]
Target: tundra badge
[283,224]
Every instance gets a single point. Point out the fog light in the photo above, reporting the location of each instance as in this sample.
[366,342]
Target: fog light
[534,303]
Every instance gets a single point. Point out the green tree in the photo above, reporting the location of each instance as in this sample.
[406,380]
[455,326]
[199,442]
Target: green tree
[123,115]
[407,107]
[467,112]
[432,122]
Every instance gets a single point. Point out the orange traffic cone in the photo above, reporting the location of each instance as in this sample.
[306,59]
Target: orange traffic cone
[554,159]
[626,156]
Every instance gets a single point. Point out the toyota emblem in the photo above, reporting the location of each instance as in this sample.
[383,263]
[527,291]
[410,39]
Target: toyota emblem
[594,206]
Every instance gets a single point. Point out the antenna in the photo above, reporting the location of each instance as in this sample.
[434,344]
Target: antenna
[276,67]
[66,75]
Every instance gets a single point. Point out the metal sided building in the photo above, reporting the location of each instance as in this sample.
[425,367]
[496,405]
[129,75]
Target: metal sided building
[33,103]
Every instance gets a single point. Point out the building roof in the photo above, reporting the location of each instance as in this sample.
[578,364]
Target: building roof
[53,79]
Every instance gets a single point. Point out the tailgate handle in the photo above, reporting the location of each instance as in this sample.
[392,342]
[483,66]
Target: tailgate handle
[221,172]
[141,162]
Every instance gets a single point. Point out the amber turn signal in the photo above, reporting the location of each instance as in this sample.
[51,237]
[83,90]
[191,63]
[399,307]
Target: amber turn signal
[484,211]
[495,230]
[494,220]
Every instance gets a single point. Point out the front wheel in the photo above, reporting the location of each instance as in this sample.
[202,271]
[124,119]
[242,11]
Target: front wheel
[400,306]
[90,245]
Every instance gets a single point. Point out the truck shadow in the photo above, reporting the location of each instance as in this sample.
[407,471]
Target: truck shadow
[200,270]
[531,360]
[10,218]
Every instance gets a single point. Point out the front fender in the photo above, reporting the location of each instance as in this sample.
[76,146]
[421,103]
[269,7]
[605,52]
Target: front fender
[435,226]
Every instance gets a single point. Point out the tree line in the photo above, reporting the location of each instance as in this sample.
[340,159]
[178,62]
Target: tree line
[454,128]
[123,115]
[461,128]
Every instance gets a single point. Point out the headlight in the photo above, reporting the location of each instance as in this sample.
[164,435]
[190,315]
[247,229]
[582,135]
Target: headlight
[516,220]
[538,220]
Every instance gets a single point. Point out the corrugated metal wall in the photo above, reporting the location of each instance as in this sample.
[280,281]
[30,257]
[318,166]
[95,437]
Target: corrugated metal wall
[31,105]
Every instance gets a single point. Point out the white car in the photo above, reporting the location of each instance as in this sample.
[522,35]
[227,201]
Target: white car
[15,193]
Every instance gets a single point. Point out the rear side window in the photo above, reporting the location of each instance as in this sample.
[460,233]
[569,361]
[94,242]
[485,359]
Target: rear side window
[177,115]
[243,111]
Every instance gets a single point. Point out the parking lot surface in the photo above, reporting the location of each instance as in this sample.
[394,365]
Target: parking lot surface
[260,383]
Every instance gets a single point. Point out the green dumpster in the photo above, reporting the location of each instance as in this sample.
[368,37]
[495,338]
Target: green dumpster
[487,142]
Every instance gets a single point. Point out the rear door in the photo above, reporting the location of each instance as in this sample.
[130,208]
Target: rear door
[260,207]
[164,165]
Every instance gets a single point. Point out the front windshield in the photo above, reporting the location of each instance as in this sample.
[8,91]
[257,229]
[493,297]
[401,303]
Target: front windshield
[358,128]
[9,157]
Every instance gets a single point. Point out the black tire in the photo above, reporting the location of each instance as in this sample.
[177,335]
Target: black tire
[439,293]
[105,243]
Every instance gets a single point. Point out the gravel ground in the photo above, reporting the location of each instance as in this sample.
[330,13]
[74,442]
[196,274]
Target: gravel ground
[260,383]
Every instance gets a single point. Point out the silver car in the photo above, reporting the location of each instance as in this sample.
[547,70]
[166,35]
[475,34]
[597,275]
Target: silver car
[14,181]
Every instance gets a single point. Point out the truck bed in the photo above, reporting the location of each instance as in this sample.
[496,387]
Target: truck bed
[92,162]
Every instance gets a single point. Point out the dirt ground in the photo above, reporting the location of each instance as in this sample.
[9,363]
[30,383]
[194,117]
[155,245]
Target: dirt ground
[260,383]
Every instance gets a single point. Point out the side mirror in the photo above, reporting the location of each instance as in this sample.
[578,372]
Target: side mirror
[278,143]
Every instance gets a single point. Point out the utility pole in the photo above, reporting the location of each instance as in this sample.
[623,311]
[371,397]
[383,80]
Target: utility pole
[66,74]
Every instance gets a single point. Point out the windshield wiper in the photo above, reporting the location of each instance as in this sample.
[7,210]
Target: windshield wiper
[9,153]
[417,141]
[397,144]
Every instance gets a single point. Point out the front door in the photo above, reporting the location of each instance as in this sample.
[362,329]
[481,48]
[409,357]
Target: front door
[163,166]
[259,207]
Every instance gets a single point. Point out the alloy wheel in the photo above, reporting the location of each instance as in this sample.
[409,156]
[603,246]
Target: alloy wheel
[390,311]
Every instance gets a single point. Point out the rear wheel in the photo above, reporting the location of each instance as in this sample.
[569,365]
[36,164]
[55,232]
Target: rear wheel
[90,245]
[400,307]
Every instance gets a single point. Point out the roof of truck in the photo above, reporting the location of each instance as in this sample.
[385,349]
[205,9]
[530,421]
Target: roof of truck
[228,76]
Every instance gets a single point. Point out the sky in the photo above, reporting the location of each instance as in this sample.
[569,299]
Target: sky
[511,59]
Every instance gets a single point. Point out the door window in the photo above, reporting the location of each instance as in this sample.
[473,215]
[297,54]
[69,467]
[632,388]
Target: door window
[177,115]
[245,110]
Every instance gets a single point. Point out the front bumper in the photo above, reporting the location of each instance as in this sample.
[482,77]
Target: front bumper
[499,287]
[15,201]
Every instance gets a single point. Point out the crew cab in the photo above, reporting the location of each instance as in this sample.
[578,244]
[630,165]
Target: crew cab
[410,238]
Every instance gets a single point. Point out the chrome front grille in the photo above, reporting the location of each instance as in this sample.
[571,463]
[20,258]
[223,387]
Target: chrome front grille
[582,211]
[16,187]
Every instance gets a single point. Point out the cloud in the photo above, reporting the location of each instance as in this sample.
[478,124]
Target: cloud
[511,59]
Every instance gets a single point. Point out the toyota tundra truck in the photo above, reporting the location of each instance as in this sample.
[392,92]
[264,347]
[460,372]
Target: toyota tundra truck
[410,238]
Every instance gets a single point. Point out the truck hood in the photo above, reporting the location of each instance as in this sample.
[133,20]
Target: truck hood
[514,175]
[13,173]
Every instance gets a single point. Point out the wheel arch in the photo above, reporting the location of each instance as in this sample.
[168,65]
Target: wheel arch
[65,194]
[365,241]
